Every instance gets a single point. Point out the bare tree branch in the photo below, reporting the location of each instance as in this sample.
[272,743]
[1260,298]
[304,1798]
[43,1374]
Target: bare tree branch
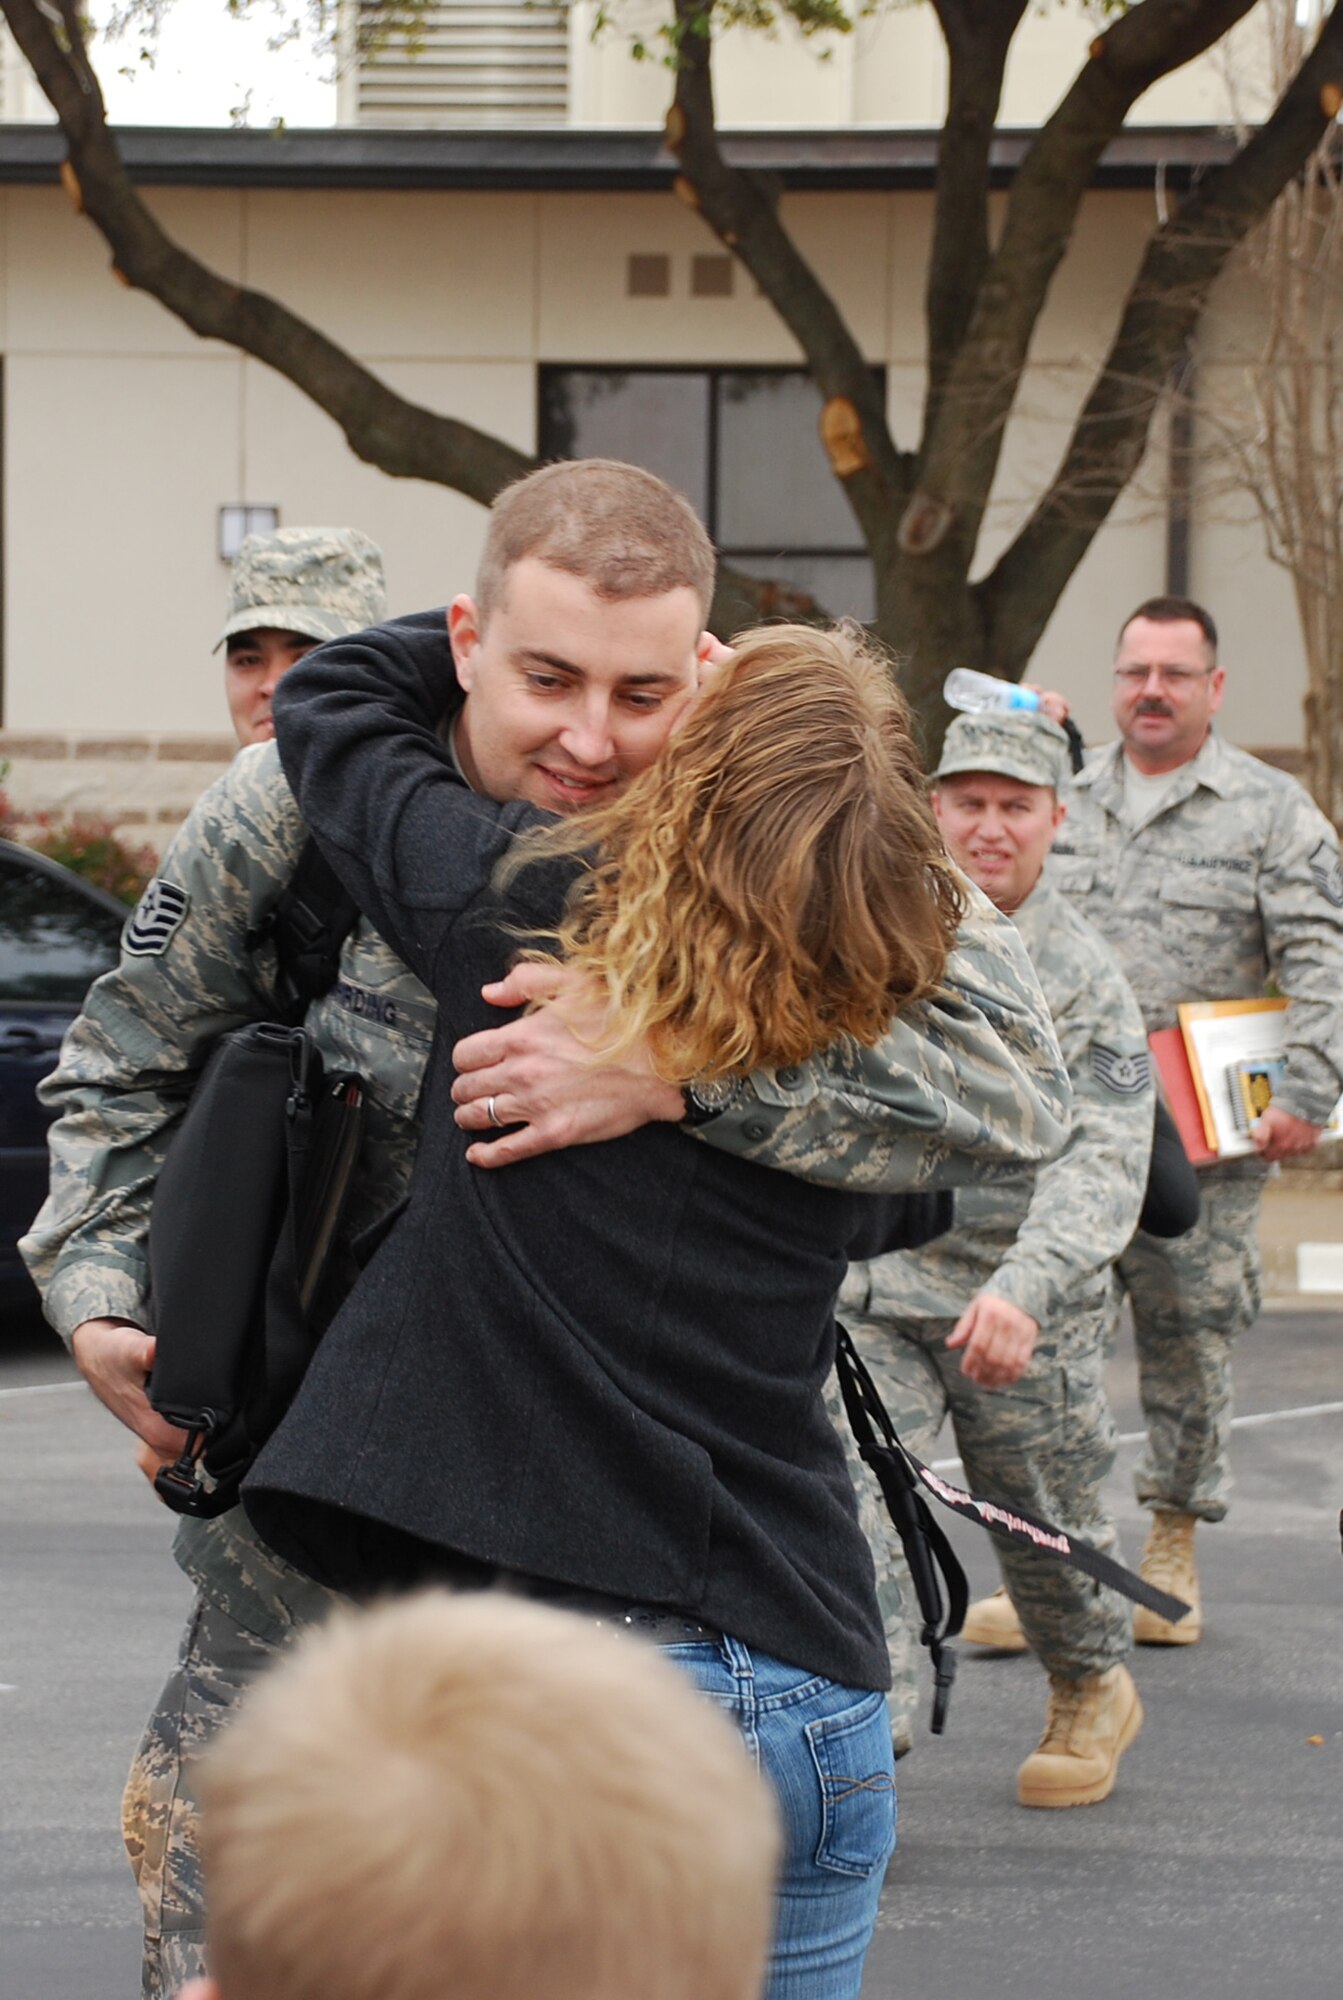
[977,40]
[381,427]
[962,448]
[1183,260]
[743,214]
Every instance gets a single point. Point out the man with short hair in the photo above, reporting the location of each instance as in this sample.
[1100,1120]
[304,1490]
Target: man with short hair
[289,591]
[1210,873]
[579,650]
[1002,1323]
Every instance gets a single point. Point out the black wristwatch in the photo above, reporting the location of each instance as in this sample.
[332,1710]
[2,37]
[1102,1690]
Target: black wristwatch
[706,1100]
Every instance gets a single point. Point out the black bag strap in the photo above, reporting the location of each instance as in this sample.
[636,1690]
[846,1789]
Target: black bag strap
[932,1560]
[899,1472]
[308,924]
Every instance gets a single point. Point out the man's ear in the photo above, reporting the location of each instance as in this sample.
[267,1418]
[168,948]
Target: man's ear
[464,636]
[200,1989]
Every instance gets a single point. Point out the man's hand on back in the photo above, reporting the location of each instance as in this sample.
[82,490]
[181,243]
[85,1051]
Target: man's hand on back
[545,1075]
[115,1356]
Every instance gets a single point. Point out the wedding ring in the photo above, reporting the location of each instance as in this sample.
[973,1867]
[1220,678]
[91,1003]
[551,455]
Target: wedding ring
[491,1113]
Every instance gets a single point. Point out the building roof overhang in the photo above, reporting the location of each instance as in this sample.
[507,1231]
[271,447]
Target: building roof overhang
[596,159]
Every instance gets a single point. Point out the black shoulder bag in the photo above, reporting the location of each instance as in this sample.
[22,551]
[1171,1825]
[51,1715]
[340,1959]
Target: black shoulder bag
[246,1209]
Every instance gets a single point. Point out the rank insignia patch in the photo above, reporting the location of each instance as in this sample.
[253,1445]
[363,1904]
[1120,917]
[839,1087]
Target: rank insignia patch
[1123,1074]
[155,918]
[1327,874]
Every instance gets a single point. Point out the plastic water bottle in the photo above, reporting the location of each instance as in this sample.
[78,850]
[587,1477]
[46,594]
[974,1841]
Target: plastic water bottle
[979,693]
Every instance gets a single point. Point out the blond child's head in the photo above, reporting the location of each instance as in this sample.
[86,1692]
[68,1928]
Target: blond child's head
[476,1798]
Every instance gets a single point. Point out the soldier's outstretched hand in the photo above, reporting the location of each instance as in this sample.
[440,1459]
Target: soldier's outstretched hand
[998,1338]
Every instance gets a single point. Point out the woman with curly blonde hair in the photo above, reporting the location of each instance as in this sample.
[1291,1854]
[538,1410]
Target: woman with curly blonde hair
[775,881]
[597,1378]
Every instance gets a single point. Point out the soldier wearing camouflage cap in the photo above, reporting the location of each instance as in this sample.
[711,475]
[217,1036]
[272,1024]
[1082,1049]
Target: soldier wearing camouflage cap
[1002,1323]
[288,592]
[1210,873]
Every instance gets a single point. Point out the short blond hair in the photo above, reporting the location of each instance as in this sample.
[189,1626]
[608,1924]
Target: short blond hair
[483,1799]
[621,530]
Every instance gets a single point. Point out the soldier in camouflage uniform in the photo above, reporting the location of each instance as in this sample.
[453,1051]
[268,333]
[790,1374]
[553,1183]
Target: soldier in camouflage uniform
[288,591]
[969,1085]
[1003,1322]
[1210,873]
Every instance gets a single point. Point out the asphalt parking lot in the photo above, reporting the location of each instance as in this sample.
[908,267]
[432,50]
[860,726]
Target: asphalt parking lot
[1211,1874]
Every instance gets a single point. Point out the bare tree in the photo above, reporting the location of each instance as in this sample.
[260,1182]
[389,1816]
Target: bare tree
[920,503]
[1289,383]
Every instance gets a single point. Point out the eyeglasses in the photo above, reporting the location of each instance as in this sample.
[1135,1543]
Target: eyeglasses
[1167,677]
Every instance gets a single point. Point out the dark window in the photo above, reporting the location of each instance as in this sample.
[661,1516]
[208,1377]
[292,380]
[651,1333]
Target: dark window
[742,444]
[54,940]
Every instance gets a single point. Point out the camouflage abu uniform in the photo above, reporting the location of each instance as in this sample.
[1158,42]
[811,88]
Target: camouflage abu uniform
[968,1086]
[1233,879]
[1044,1240]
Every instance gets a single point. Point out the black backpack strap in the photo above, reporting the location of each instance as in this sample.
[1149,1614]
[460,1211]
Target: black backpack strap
[933,1563]
[309,923]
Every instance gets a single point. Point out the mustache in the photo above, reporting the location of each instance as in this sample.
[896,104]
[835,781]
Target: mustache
[1151,706]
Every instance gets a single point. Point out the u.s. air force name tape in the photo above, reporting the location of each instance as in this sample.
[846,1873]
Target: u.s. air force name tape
[1043,1536]
[155,918]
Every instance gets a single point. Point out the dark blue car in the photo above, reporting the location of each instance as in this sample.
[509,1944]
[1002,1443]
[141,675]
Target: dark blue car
[57,934]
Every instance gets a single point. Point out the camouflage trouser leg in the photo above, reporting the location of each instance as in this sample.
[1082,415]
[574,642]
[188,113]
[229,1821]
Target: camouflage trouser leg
[1191,1298]
[159,1814]
[1046,1444]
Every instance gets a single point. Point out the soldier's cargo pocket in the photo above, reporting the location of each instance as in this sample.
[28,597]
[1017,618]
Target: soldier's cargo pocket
[852,1754]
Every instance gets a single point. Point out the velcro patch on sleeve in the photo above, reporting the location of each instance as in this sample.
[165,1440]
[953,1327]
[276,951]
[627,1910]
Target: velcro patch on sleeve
[1124,1074]
[155,919]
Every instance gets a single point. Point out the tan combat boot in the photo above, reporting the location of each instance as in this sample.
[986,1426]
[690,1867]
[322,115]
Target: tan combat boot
[1090,1724]
[1168,1563]
[992,1621]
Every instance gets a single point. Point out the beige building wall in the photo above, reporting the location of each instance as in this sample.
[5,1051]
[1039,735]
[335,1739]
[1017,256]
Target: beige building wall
[124,434]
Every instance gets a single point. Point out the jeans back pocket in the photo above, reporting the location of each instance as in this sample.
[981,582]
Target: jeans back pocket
[852,1754]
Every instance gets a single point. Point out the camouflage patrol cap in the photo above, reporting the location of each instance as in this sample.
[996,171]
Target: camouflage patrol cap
[322,582]
[1027,747]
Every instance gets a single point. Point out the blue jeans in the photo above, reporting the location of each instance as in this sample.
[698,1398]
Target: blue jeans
[826,1750]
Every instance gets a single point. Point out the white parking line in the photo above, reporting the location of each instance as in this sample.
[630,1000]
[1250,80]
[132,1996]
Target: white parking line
[1237,1424]
[937,1464]
[40,1389]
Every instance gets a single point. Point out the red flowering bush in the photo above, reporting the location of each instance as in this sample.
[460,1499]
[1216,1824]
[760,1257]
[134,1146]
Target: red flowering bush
[89,844]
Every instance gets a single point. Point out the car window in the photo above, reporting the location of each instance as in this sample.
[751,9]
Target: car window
[54,940]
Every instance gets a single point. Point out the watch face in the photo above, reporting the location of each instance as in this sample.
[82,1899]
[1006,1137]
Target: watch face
[715,1095]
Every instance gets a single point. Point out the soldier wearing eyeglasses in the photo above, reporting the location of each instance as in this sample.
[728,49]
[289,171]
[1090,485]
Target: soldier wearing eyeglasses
[1211,874]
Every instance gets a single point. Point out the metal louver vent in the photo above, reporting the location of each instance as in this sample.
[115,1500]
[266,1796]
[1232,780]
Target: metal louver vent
[470,62]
